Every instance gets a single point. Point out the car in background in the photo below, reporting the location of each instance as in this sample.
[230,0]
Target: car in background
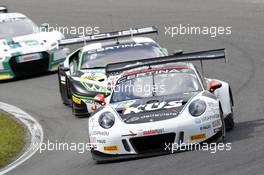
[26,50]
[82,75]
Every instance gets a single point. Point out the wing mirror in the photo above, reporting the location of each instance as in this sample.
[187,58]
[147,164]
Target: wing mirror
[44,27]
[65,69]
[100,98]
[213,85]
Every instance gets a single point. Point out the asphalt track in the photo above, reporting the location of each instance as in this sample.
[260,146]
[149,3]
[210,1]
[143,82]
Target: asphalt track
[39,96]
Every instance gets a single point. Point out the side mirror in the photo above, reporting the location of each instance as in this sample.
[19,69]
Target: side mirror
[213,85]
[65,69]
[44,26]
[177,52]
[100,98]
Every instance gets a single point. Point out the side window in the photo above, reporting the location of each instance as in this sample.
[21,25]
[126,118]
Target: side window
[202,79]
[73,63]
[73,67]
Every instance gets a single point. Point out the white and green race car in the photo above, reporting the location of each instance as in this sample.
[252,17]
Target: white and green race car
[82,75]
[25,49]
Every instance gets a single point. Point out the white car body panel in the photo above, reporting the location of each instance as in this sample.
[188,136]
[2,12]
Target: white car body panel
[27,47]
[223,94]
[44,41]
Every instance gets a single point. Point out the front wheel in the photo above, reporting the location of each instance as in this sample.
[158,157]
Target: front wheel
[64,88]
[229,122]
[223,125]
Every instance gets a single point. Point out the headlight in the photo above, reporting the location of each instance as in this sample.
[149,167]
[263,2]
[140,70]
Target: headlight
[197,108]
[106,120]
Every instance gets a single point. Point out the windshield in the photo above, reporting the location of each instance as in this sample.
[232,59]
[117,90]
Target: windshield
[16,27]
[155,83]
[120,53]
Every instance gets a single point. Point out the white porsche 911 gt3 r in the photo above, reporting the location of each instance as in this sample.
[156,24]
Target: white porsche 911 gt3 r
[158,102]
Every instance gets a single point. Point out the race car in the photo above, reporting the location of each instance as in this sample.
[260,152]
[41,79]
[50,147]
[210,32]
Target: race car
[82,75]
[157,102]
[25,49]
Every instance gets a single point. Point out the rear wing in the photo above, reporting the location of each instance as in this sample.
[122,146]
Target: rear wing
[110,35]
[3,9]
[194,56]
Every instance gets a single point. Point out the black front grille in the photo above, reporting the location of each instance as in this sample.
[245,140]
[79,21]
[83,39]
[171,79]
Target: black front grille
[30,67]
[155,143]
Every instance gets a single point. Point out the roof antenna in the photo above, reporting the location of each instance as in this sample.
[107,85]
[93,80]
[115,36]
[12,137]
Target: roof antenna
[111,21]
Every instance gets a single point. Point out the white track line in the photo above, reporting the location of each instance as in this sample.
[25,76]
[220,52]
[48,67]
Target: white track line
[33,127]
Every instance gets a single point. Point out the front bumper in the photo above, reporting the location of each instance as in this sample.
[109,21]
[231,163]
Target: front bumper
[135,145]
[82,105]
[100,157]
[49,61]
[143,138]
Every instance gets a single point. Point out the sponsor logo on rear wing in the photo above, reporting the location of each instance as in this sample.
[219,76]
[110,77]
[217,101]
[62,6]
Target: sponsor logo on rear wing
[116,68]
[109,35]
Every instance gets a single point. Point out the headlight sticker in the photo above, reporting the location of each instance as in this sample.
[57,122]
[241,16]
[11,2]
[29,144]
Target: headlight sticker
[207,118]
[151,132]
[205,127]
[216,123]
[100,133]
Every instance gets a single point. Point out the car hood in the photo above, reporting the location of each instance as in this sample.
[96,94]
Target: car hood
[90,83]
[32,43]
[152,109]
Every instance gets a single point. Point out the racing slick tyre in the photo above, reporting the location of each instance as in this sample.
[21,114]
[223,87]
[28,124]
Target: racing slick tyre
[229,120]
[66,100]
[224,125]
[63,101]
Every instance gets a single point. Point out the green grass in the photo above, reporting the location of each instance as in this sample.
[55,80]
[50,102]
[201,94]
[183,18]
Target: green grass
[12,138]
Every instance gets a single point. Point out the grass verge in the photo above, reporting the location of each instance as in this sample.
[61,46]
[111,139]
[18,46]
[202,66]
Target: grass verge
[12,138]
